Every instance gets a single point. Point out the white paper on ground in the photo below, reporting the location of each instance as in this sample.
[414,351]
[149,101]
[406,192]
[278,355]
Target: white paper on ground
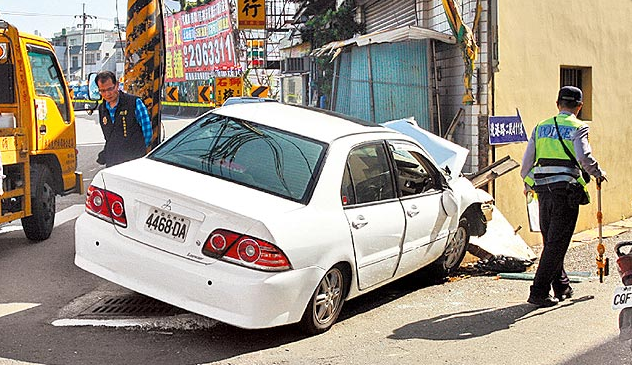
[501,239]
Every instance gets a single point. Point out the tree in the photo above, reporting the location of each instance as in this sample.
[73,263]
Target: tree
[332,25]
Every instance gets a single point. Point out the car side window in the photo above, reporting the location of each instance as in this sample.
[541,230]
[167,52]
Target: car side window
[347,194]
[415,174]
[369,175]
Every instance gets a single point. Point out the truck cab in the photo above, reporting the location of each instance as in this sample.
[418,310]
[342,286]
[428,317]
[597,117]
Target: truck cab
[37,132]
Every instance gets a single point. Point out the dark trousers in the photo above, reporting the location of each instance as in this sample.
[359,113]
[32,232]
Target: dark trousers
[557,223]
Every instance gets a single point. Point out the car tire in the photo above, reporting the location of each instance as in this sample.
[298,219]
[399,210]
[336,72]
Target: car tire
[326,303]
[39,225]
[454,252]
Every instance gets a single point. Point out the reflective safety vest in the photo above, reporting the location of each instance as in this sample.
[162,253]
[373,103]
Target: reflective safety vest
[553,167]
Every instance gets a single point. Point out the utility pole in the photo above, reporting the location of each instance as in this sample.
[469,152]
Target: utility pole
[84,16]
[65,32]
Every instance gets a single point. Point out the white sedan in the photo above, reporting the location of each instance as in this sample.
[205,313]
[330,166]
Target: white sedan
[265,214]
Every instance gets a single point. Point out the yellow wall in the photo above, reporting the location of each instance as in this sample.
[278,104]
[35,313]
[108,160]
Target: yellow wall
[537,37]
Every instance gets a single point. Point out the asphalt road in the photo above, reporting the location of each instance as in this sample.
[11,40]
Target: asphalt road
[474,319]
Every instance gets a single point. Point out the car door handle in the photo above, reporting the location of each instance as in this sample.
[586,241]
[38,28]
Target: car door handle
[413,211]
[359,222]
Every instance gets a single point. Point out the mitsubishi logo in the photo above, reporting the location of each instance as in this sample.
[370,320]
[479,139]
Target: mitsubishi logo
[167,205]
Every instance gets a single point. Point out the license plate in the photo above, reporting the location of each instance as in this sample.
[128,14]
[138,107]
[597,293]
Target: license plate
[622,297]
[167,224]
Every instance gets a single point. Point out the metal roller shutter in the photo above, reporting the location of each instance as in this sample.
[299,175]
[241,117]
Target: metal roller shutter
[388,14]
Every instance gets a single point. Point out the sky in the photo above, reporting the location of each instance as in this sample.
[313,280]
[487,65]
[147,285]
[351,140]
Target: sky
[48,17]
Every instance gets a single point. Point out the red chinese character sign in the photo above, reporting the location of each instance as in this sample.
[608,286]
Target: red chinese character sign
[199,42]
[251,14]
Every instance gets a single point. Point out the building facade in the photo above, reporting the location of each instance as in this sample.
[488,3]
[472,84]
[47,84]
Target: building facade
[104,50]
[526,52]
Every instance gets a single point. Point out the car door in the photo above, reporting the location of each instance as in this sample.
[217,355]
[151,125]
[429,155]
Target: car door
[420,186]
[375,216]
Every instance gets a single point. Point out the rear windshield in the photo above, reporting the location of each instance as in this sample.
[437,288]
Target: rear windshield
[246,153]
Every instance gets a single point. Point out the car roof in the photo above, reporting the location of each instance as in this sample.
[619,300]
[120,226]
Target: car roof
[315,123]
[246,99]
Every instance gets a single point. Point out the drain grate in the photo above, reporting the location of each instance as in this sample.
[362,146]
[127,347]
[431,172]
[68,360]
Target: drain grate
[131,305]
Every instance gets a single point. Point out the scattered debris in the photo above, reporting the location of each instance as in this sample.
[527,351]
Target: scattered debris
[501,248]
[505,264]
[452,279]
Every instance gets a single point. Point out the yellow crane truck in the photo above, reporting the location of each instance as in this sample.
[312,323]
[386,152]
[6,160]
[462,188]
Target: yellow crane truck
[37,133]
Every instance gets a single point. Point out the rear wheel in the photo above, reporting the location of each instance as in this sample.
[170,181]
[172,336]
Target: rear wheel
[454,252]
[323,309]
[39,225]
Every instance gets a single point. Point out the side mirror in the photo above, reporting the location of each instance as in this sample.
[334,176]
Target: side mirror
[449,203]
[93,88]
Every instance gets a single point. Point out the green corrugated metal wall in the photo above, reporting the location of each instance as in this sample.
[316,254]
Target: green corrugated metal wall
[398,74]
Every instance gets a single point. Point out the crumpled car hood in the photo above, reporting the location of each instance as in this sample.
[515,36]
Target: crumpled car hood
[445,153]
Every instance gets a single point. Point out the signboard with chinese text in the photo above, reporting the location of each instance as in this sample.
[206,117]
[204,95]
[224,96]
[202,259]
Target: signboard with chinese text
[508,129]
[226,87]
[199,42]
[251,14]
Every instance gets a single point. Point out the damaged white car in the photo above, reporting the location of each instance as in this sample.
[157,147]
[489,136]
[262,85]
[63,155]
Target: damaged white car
[265,214]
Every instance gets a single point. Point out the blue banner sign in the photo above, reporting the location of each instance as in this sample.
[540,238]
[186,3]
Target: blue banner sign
[504,130]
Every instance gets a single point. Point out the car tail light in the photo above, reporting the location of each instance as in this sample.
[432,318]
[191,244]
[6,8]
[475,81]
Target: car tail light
[245,250]
[106,205]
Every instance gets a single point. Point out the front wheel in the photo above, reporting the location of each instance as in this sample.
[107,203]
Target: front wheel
[326,303]
[39,225]
[454,252]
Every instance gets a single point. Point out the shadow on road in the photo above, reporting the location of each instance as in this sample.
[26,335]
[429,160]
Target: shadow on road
[473,323]
[463,325]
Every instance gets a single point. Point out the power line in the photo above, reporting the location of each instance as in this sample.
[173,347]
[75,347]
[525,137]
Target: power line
[19,13]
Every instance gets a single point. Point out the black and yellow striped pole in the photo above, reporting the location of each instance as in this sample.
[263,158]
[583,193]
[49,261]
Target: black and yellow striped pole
[144,57]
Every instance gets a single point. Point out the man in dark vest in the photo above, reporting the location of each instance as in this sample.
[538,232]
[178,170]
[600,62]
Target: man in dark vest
[124,121]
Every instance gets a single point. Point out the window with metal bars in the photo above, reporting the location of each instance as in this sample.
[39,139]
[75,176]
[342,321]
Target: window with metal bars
[580,77]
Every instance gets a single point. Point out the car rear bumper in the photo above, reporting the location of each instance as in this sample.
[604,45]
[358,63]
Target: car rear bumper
[226,292]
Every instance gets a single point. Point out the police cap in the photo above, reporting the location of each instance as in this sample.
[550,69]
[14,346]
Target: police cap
[570,93]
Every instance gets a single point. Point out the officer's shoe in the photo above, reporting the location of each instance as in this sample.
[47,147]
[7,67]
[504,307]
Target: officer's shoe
[564,294]
[547,301]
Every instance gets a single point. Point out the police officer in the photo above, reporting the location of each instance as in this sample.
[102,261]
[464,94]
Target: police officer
[554,173]
[124,121]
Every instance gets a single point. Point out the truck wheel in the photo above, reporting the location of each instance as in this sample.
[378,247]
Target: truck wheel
[39,225]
